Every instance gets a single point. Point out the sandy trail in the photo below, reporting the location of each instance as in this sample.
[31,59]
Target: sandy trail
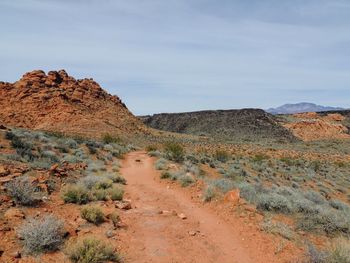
[155,237]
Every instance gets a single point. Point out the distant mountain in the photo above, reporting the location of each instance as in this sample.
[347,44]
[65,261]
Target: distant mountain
[301,107]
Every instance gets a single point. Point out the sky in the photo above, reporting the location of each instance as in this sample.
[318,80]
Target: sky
[186,55]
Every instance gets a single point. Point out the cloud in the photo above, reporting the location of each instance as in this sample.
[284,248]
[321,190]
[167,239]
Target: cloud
[186,55]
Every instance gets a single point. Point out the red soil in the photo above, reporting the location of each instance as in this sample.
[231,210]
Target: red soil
[210,233]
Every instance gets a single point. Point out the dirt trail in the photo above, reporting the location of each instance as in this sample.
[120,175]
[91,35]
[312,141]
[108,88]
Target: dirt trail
[155,237]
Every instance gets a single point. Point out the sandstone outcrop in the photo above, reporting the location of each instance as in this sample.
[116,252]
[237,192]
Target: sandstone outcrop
[58,102]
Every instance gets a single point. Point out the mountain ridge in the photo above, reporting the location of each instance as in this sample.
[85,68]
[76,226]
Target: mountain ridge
[301,107]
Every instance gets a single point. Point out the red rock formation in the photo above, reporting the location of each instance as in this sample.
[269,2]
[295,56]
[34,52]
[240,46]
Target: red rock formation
[58,102]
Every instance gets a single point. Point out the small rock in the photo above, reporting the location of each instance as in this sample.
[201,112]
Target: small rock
[138,160]
[125,205]
[110,233]
[182,216]
[17,254]
[233,196]
[192,233]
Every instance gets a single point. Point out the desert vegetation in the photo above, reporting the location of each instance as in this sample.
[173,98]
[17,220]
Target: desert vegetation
[44,168]
[313,194]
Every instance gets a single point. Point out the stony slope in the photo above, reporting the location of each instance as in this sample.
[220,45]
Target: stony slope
[58,102]
[245,124]
[314,126]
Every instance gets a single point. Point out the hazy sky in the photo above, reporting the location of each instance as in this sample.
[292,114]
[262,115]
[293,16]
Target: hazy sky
[182,55]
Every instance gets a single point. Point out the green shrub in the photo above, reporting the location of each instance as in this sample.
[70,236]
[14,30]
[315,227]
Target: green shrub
[89,181]
[186,180]
[116,178]
[209,193]
[259,157]
[340,252]
[104,183]
[116,193]
[327,220]
[165,175]
[22,191]
[41,234]
[161,164]
[108,139]
[274,202]
[174,151]
[115,218]
[92,214]
[100,194]
[77,194]
[223,185]
[91,250]
[278,228]
[221,156]
[151,148]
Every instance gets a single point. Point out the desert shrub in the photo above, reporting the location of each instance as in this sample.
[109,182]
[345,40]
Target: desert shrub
[186,180]
[62,148]
[278,228]
[192,159]
[116,178]
[90,181]
[9,135]
[174,151]
[116,193]
[151,148]
[315,197]
[91,148]
[115,218]
[22,191]
[339,205]
[274,202]
[248,192]
[209,193]
[259,157]
[108,147]
[23,148]
[50,155]
[161,164]
[108,139]
[302,205]
[92,214]
[154,153]
[100,194]
[75,194]
[41,234]
[96,166]
[339,252]
[71,143]
[327,220]
[315,255]
[175,175]
[71,159]
[221,156]
[223,185]
[165,175]
[191,168]
[91,250]
[104,183]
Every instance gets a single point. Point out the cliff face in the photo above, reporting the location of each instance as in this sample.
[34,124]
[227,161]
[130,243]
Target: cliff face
[245,124]
[58,102]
